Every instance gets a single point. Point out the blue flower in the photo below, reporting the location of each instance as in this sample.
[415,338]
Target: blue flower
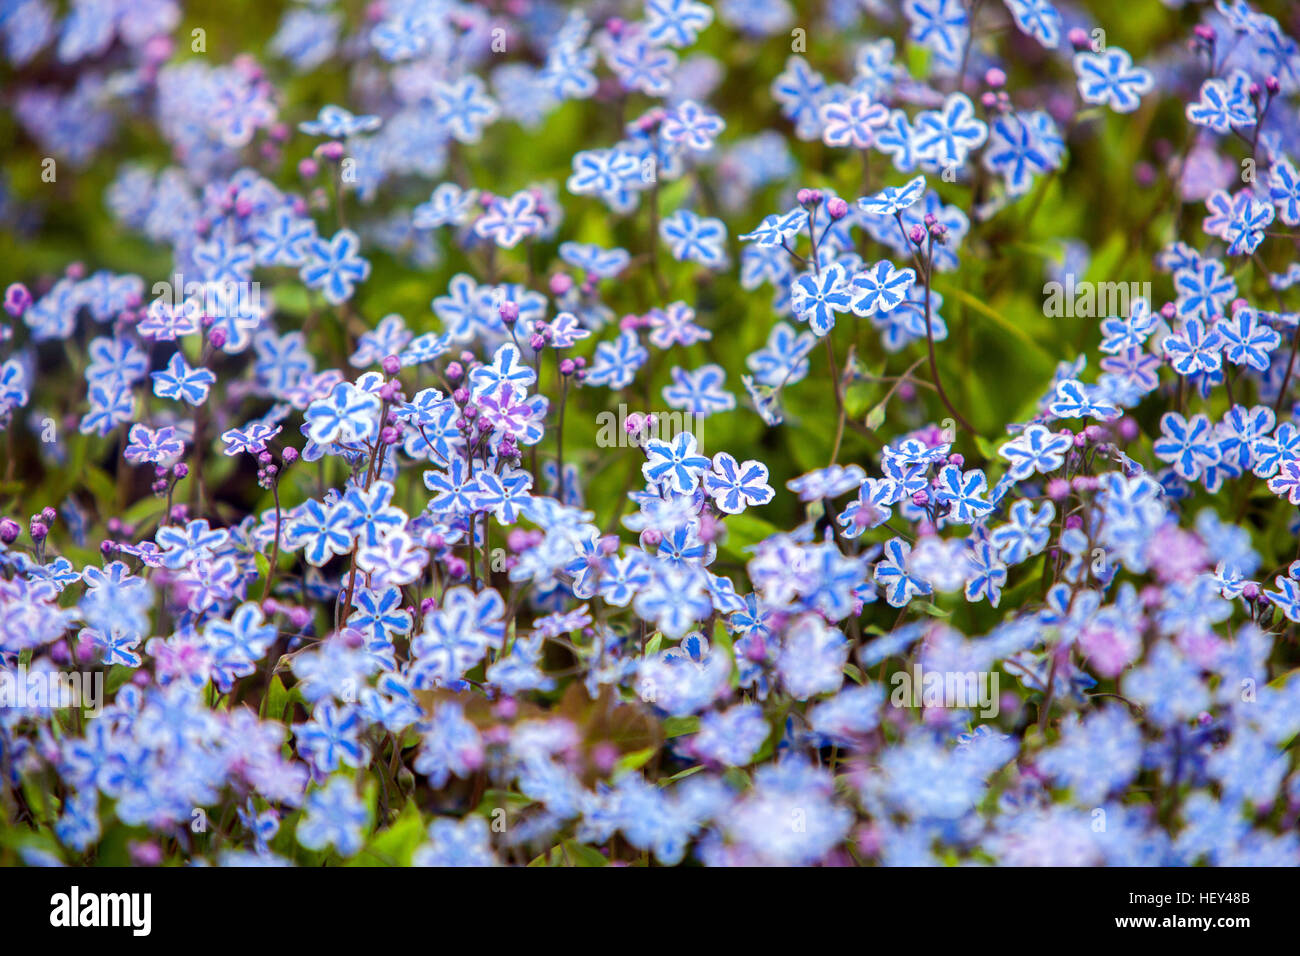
[882,288]
[1072,400]
[591,258]
[733,737]
[282,238]
[508,222]
[817,296]
[1286,598]
[349,414]
[897,140]
[1036,451]
[447,205]
[1222,106]
[616,363]
[1204,289]
[852,123]
[776,231]
[675,463]
[1245,230]
[334,266]
[986,575]
[1027,533]
[893,199]
[1038,19]
[1119,335]
[321,529]
[1015,152]
[337,123]
[567,73]
[1247,341]
[506,368]
[146,445]
[463,108]
[1110,79]
[250,439]
[602,172]
[784,360]
[734,487]
[800,90]
[456,843]
[109,406]
[941,26]
[504,494]
[387,338]
[235,646]
[331,740]
[963,492]
[455,490]
[948,135]
[690,125]
[1194,349]
[180,382]
[197,541]
[1188,444]
[676,22]
[370,514]
[1286,483]
[894,576]
[335,816]
[695,239]
[1284,190]
[379,614]
[699,392]
[222,262]
[451,746]
[642,66]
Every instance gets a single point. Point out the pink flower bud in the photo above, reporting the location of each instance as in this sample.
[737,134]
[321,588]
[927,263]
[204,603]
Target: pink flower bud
[17,299]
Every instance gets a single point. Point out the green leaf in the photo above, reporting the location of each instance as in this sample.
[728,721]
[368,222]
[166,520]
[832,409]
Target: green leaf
[395,845]
[1002,322]
[263,563]
[633,761]
[583,855]
[679,726]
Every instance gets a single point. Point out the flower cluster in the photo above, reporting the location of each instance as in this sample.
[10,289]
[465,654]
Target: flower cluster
[316,542]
